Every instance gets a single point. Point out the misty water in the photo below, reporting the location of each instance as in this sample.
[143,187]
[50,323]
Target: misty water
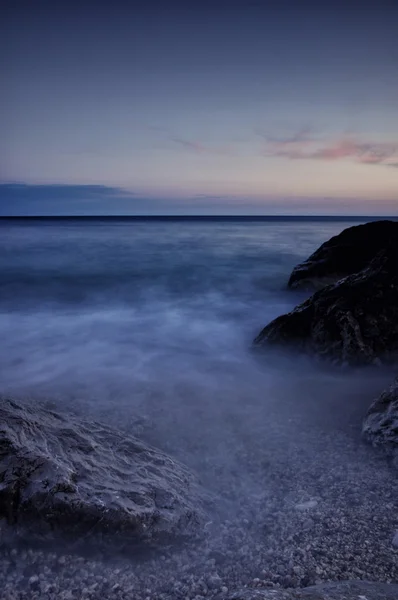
[149,325]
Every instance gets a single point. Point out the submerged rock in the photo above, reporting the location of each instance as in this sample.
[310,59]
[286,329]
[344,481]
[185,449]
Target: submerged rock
[344,254]
[353,321]
[339,590]
[380,426]
[61,475]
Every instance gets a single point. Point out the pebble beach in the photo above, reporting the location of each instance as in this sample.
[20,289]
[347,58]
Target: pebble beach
[323,509]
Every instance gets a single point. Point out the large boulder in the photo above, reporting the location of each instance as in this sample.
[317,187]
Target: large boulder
[353,321]
[347,253]
[339,590]
[62,475]
[380,426]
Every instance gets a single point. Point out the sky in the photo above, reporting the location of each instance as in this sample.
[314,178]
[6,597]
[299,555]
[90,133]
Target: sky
[239,107]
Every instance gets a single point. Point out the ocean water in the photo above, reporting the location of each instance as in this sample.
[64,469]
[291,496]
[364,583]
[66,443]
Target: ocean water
[148,326]
[120,305]
[153,320]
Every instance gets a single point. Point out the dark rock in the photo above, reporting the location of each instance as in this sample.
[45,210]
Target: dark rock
[353,321]
[339,590]
[380,426]
[347,253]
[61,475]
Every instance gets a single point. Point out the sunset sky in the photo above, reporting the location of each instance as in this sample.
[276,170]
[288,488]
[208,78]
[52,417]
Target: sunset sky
[203,107]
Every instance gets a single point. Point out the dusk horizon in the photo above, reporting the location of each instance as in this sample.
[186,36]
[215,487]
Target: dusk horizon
[233,107]
[60,200]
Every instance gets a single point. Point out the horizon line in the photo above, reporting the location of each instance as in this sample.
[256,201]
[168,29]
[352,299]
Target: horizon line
[196,217]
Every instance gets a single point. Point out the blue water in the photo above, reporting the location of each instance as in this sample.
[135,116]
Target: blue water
[78,266]
[101,296]
[132,318]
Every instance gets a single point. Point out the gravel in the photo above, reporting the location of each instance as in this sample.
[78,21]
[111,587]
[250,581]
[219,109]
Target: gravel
[268,544]
[301,501]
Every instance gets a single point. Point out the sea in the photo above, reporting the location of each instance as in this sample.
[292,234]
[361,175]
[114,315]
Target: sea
[133,318]
[147,325]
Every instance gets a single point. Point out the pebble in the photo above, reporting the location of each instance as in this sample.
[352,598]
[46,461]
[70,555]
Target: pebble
[306,505]
[214,582]
[395,539]
[34,580]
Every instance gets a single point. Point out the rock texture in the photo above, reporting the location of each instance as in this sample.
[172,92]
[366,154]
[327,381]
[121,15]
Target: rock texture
[380,426]
[347,253]
[353,321]
[62,475]
[340,590]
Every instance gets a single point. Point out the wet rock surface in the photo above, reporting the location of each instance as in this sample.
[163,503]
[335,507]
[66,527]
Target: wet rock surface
[62,475]
[344,254]
[380,426]
[353,321]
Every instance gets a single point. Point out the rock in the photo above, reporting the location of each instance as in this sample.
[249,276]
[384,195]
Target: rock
[380,426]
[395,539]
[353,321]
[34,581]
[340,590]
[347,253]
[62,475]
[214,582]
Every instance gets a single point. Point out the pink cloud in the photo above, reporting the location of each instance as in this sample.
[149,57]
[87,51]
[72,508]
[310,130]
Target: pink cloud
[302,136]
[340,149]
[301,147]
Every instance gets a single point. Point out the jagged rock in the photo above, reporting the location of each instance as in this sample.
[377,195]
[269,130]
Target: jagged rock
[339,590]
[347,253]
[62,475]
[380,426]
[353,321]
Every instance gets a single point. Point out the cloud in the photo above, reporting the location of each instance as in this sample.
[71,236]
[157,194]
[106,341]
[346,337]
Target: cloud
[199,148]
[59,199]
[190,145]
[301,146]
[302,136]
[59,192]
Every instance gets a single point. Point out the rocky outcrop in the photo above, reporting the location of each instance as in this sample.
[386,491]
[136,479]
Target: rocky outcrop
[339,590]
[347,253]
[60,475]
[380,426]
[353,321]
